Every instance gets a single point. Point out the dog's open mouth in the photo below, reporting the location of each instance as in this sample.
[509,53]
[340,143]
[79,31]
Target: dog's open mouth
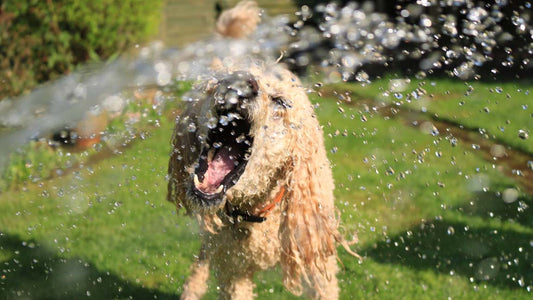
[228,143]
[222,161]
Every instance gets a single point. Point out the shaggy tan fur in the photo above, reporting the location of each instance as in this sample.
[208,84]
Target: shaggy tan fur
[286,160]
[287,152]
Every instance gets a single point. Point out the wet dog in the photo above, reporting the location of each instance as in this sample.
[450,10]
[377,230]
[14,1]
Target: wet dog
[249,162]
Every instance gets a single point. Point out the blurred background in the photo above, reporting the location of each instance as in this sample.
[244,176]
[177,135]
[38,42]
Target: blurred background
[426,110]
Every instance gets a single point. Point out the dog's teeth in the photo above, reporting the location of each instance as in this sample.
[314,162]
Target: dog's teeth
[241,138]
[196,180]
[220,189]
[210,155]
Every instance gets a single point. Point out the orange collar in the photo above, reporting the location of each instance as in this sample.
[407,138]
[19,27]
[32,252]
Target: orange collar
[268,207]
[261,214]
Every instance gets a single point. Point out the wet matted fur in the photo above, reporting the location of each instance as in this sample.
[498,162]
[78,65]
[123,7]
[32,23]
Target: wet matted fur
[249,162]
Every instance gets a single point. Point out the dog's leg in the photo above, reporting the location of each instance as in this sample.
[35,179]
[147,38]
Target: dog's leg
[236,285]
[330,285]
[325,285]
[196,285]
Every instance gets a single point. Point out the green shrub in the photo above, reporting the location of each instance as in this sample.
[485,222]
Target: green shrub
[41,39]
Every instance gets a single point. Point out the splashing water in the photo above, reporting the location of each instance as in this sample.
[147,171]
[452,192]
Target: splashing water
[461,38]
[347,43]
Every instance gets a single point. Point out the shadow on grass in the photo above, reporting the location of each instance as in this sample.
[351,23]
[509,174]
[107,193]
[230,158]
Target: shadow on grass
[35,272]
[476,250]
[491,206]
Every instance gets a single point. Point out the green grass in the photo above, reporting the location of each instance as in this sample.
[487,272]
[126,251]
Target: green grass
[430,219]
[428,214]
[498,111]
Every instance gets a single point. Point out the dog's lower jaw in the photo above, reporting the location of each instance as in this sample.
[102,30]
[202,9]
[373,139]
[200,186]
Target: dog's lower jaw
[240,199]
[195,205]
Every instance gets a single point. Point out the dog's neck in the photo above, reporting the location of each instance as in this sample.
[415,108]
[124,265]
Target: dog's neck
[260,212]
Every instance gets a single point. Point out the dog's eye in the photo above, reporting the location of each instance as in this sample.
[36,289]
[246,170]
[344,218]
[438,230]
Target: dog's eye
[282,101]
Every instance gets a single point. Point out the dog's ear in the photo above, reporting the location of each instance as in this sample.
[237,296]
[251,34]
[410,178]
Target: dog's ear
[308,229]
[185,151]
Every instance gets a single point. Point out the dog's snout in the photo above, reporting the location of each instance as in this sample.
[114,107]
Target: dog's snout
[235,91]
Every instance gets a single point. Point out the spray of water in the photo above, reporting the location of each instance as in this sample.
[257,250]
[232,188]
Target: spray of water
[451,35]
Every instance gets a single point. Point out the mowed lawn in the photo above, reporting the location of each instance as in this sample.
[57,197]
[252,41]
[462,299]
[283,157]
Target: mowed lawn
[434,220]
[501,111]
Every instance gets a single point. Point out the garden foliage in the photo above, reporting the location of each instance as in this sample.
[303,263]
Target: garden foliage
[41,39]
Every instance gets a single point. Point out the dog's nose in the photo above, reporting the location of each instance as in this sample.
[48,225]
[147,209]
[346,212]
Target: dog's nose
[235,91]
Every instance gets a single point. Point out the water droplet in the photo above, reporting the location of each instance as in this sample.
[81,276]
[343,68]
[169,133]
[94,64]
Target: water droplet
[212,123]
[420,75]
[450,230]
[510,195]
[453,142]
[425,21]
[233,100]
[224,120]
[390,171]
[241,138]
[523,134]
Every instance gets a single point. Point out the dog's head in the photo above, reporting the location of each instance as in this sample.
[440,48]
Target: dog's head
[223,125]
[237,137]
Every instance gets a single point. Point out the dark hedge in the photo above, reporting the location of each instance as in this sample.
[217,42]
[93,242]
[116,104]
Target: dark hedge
[41,39]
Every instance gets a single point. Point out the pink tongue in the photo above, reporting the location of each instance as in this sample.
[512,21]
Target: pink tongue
[217,170]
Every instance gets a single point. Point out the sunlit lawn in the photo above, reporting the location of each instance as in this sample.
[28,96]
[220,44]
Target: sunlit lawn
[430,218]
[500,110]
